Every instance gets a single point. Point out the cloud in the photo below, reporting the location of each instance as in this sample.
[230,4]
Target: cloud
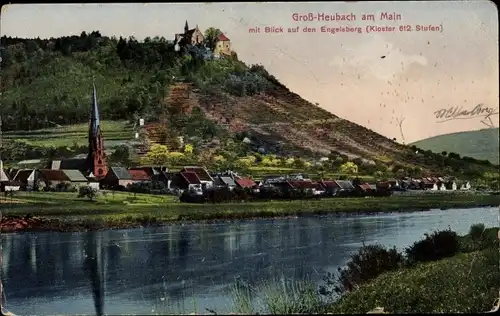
[378,58]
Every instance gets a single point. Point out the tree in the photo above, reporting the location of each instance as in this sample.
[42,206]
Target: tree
[211,35]
[157,155]
[188,149]
[120,156]
[348,168]
[88,192]
[176,158]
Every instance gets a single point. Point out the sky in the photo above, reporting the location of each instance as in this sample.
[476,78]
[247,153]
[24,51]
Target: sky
[390,82]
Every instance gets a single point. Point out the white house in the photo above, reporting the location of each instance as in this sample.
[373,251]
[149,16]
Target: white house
[465,186]
[442,187]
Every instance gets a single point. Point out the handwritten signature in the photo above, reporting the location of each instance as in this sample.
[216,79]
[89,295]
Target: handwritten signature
[459,113]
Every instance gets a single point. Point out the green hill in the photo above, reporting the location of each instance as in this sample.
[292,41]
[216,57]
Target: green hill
[222,106]
[481,144]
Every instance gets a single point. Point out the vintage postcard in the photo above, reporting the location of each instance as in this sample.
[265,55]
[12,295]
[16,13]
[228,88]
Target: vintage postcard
[249,158]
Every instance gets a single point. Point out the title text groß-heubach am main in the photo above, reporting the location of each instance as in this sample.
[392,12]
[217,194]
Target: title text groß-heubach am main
[327,17]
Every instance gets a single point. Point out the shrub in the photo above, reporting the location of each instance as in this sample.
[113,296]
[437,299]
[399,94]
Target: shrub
[439,245]
[88,192]
[476,233]
[369,262]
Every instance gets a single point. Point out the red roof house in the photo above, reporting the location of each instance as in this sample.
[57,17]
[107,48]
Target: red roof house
[245,183]
[139,175]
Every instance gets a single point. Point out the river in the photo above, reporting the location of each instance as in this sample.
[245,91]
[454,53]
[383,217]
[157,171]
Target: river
[190,266]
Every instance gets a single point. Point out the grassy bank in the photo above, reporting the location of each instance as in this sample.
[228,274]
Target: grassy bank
[469,281]
[129,209]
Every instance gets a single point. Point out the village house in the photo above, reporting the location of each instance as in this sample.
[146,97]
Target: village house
[464,186]
[27,178]
[247,183]
[225,181]
[222,46]
[139,175]
[306,186]
[428,184]
[204,177]
[345,186]
[189,181]
[330,187]
[6,184]
[3,175]
[365,189]
[117,177]
[51,178]
[77,178]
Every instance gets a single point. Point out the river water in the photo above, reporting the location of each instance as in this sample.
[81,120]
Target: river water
[190,267]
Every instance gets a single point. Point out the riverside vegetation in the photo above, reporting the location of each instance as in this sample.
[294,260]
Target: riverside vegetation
[65,211]
[442,273]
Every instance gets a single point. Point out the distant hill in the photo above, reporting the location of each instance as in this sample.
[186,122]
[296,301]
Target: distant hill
[213,103]
[481,144]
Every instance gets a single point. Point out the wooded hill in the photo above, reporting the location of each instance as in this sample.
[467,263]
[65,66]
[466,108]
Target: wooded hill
[47,82]
[481,144]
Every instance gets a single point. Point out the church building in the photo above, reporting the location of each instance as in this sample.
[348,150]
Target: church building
[94,165]
[189,37]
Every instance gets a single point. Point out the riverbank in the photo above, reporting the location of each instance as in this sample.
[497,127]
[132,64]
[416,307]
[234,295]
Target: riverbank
[36,211]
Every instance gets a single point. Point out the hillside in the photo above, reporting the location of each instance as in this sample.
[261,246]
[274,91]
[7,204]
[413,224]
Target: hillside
[481,144]
[210,103]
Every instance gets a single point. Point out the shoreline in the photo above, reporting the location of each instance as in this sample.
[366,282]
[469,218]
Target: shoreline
[32,222]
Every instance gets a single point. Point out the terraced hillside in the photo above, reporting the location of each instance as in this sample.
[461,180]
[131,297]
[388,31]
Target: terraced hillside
[284,120]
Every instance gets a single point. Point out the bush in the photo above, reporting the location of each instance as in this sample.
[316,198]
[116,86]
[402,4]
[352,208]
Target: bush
[65,187]
[367,264]
[88,192]
[439,245]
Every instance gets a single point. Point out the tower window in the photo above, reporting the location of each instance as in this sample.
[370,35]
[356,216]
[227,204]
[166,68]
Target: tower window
[100,171]
[99,162]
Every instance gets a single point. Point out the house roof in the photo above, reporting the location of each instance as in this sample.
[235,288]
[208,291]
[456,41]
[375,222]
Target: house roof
[245,182]
[53,175]
[71,164]
[11,172]
[227,180]
[151,171]
[75,175]
[222,37]
[121,173]
[23,175]
[200,172]
[344,184]
[139,175]
[364,186]
[427,181]
[303,184]
[3,175]
[329,184]
[191,177]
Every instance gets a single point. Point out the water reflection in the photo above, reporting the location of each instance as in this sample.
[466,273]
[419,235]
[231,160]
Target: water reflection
[42,273]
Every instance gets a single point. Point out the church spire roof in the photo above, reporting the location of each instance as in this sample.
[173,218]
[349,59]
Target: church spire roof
[94,117]
[186,27]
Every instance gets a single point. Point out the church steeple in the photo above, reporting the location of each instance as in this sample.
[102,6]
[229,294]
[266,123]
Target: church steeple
[96,160]
[94,117]
[186,27]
